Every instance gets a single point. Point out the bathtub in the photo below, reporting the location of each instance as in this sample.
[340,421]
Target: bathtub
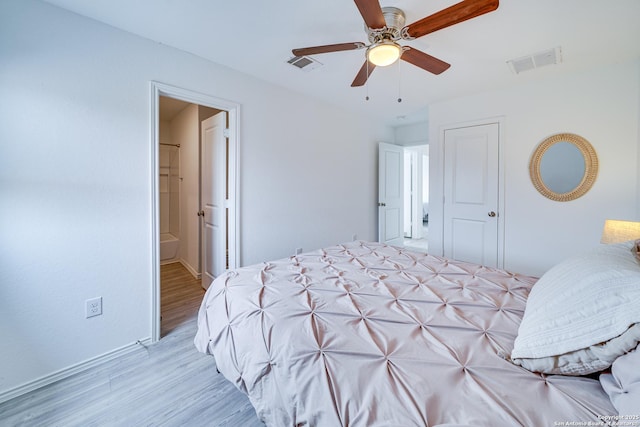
[168,246]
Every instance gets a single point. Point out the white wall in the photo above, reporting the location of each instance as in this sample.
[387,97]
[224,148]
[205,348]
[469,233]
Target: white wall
[412,134]
[168,162]
[165,132]
[602,106]
[75,180]
[169,184]
[184,130]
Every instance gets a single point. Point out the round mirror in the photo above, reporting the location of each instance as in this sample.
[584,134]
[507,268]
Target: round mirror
[563,167]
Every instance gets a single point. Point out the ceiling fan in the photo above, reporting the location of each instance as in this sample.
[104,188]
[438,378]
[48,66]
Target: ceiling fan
[385,26]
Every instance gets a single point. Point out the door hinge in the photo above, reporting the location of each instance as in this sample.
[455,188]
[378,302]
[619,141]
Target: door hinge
[226,133]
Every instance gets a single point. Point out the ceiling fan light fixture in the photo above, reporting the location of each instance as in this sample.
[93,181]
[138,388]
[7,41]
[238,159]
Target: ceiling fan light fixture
[385,26]
[384,53]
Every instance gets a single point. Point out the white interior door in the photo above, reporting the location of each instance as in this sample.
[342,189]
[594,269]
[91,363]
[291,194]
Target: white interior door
[213,197]
[390,194]
[471,188]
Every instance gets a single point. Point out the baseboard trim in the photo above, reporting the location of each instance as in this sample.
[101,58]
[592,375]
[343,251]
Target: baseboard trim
[71,370]
[191,270]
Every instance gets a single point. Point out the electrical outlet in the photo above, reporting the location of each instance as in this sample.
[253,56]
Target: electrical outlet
[94,307]
[298,251]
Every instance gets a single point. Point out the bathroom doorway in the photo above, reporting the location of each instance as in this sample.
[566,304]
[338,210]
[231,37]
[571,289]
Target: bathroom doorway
[180,175]
[178,163]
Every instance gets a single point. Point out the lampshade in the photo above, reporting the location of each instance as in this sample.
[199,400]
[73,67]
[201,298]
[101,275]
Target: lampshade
[383,53]
[616,231]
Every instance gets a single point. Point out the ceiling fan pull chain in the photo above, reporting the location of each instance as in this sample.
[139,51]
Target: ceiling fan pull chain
[399,79]
[366,83]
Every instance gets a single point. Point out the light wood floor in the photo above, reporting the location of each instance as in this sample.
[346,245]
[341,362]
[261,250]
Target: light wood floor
[419,245]
[180,296]
[168,383]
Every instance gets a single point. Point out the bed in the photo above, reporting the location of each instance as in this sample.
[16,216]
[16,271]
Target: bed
[365,334]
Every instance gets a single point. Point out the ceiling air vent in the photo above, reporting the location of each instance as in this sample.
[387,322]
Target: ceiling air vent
[304,63]
[537,60]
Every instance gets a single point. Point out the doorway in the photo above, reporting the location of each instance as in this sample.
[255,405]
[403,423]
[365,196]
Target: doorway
[165,181]
[403,188]
[416,197]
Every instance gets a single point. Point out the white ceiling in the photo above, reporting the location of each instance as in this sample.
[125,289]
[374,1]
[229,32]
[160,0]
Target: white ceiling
[256,37]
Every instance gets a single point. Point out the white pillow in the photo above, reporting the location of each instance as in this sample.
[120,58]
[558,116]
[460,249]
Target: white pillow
[578,315]
[584,361]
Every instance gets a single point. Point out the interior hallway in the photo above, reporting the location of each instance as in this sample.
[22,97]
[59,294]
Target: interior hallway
[419,245]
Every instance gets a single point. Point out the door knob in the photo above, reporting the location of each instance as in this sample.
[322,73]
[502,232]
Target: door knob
[382,204]
[492,214]
[200,213]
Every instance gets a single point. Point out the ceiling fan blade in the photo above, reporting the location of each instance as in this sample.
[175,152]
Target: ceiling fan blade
[327,48]
[363,74]
[452,15]
[424,61]
[371,13]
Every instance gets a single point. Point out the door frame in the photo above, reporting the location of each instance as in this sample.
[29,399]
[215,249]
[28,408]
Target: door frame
[408,188]
[501,184]
[158,89]
[416,189]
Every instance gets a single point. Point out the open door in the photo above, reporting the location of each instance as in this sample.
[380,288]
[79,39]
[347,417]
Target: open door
[390,194]
[213,197]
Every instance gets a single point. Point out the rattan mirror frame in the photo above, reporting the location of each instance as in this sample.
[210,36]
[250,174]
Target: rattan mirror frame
[590,167]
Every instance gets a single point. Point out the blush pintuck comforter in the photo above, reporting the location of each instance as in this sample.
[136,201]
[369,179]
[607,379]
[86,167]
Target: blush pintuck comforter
[364,334]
